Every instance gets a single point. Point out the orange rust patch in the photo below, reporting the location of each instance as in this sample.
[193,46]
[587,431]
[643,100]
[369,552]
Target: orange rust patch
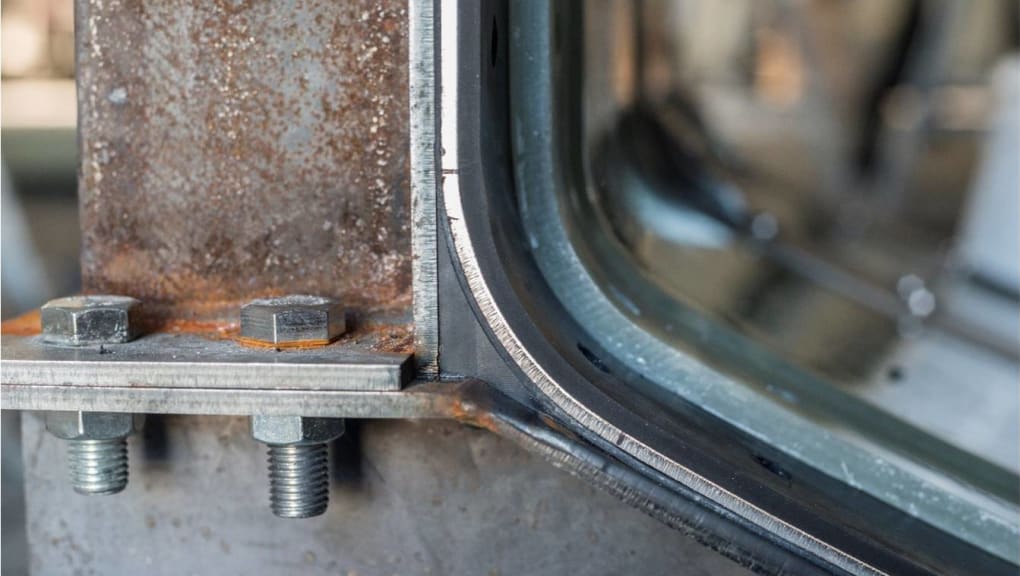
[554,425]
[209,328]
[28,324]
[469,413]
[394,338]
[296,345]
[386,338]
[396,342]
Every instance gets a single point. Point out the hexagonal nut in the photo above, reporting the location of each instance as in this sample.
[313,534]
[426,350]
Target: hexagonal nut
[93,425]
[96,319]
[293,320]
[290,430]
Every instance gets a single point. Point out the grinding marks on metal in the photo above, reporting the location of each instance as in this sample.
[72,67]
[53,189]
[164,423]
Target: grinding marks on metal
[424,167]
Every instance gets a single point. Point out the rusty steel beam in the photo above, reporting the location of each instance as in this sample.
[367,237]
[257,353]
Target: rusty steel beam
[234,149]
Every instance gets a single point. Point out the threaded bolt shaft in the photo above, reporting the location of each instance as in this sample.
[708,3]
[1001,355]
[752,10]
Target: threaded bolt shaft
[298,480]
[98,466]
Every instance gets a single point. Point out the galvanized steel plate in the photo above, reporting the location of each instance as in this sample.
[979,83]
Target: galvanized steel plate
[174,361]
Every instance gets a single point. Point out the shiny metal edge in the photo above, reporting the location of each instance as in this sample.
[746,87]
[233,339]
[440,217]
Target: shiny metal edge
[424,142]
[182,361]
[480,292]
[431,400]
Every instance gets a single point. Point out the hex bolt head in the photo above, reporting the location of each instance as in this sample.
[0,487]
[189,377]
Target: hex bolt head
[93,425]
[292,430]
[95,319]
[96,448]
[294,320]
[298,462]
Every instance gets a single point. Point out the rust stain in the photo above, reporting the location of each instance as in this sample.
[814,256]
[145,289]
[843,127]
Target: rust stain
[296,345]
[380,337]
[400,341]
[363,332]
[367,335]
[28,324]
[467,412]
[556,426]
[244,149]
[188,325]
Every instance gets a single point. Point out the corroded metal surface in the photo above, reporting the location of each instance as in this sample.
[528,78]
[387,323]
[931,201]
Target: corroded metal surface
[234,149]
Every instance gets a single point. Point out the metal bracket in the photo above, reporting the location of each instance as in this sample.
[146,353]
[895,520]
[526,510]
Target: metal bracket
[197,374]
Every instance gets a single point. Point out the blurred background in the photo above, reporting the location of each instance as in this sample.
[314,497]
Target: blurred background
[39,229]
[836,182]
[899,117]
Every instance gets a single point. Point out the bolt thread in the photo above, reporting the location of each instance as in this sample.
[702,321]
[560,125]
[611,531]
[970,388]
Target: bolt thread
[98,466]
[299,480]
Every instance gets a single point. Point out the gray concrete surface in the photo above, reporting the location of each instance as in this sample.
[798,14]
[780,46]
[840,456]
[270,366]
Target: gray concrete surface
[407,498]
